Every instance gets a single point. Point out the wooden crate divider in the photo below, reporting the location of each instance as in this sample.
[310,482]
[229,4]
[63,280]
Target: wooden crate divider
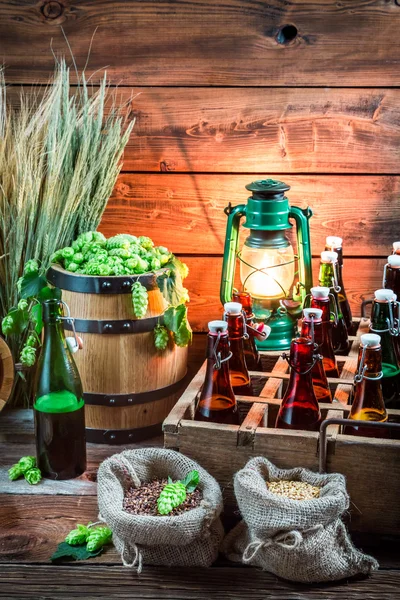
[224,449]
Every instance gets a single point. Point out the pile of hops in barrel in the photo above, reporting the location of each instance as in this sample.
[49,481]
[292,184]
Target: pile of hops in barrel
[123,254]
[92,254]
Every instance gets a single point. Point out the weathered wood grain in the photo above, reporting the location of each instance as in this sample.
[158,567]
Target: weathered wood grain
[255,130]
[207,43]
[185,212]
[92,581]
[32,526]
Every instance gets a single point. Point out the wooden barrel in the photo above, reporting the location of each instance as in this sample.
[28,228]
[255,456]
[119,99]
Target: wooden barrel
[129,386]
[6,373]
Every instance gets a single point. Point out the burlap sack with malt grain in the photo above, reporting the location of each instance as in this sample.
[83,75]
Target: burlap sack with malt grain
[189,539]
[303,540]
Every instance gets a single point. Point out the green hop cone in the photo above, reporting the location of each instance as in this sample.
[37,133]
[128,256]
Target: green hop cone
[7,325]
[26,463]
[23,304]
[73,267]
[184,334]
[28,356]
[78,536]
[31,341]
[140,300]
[14,472]
[33,476]
[67,252]
[31,266]
[161,337]
[98,537]
[173,495]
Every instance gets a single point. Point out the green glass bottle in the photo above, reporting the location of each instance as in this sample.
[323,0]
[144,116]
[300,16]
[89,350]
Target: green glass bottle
[335,244]
[382,323]
[328,278]
[58,406]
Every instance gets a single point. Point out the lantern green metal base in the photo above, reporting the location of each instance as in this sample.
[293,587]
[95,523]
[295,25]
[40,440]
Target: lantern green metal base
[283,330]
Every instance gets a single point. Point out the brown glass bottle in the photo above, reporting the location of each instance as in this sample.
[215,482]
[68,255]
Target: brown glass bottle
[217,402]
[334,244]
[368,403]
[328,278]
[238,372]
[320,299]
[252,356]
[312,328]
[299,408]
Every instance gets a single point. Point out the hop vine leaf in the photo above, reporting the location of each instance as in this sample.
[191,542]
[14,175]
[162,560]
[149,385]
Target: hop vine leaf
[161,337]
[140,300]
[184,334]
[78,536]
[174,494]
[97,538]
[33,476]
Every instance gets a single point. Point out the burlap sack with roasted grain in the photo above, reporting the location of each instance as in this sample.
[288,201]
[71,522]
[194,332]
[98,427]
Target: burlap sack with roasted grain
[299,540]
[189,539]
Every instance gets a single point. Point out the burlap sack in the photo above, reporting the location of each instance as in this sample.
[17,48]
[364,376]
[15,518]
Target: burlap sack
[190,539]
[297,540]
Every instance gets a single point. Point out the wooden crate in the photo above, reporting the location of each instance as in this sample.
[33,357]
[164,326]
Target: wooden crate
[371,465]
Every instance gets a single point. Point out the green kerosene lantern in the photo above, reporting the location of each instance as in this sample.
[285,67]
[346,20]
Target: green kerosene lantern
[267,259]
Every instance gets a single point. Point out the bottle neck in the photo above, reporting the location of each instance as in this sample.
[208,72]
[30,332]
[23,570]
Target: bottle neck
[245,300]
[381,316]
[326,275]
[324,305]
[235,326]
[218,347]
[370,362]
[339,252]
[313,331]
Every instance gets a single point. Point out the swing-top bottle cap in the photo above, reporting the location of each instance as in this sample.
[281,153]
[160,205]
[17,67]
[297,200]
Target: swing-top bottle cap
[320,292]
[394,260]
[372,340]
[384,295]
[309,313]
[217,326]
[396,246]
[329,257]
[334,241]
[233,308]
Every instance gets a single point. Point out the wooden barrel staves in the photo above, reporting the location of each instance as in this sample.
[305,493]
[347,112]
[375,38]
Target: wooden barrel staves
[129,386]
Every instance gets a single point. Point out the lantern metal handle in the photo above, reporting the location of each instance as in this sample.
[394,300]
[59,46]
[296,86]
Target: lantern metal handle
[301,217]
[234,213]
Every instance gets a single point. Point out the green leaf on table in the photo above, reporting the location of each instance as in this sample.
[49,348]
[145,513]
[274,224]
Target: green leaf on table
[65,551]
[191,481]
[174,316]
[31,285]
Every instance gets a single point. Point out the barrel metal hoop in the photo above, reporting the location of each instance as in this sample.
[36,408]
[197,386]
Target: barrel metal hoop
[122,436]
[93,284]
[131,399]
[110,326]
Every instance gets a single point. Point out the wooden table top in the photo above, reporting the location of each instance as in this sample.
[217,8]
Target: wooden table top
[34,519]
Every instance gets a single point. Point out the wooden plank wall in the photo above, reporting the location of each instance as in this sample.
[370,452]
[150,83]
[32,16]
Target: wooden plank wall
[222,95]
